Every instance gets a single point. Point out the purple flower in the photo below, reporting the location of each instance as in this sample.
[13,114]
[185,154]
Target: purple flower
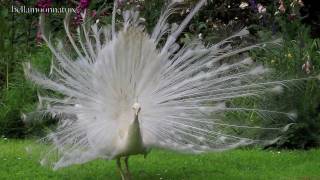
[43,3]
[83,5]
[253,4]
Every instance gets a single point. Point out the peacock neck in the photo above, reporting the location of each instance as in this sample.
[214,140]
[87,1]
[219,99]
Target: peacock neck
[134,138]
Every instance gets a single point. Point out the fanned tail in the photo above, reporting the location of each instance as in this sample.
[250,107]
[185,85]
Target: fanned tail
[188,95]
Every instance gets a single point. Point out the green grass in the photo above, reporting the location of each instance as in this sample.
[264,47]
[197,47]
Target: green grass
[15,163]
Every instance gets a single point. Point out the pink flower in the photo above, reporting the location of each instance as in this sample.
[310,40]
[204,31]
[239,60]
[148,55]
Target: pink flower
[94,13]
[261,8]
[307,67]
[83,5]
[282,8]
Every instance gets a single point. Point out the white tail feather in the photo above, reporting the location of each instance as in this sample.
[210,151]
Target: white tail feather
[182,92]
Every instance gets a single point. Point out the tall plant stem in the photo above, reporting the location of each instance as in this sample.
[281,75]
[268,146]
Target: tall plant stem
[11,49]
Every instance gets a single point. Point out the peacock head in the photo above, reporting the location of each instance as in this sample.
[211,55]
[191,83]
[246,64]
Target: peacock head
[136,107]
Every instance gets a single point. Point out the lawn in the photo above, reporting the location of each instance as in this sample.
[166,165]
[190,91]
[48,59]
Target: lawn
[15,163]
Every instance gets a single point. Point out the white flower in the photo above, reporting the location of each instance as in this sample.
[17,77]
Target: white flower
[243,5]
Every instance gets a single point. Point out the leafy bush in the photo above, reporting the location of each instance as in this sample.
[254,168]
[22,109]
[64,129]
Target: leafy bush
[21,97]
[297,57]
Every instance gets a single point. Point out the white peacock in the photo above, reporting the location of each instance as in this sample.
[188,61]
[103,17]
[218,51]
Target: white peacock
[129,91]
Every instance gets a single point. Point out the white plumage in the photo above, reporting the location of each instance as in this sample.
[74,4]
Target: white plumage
[126,92]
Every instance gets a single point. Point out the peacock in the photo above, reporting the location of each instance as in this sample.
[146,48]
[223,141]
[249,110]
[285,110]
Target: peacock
[122,91]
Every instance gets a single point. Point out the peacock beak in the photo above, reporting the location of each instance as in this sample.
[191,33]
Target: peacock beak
[136,108]
[136,111]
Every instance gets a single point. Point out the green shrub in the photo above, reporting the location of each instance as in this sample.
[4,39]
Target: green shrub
[21,97]
[303,97]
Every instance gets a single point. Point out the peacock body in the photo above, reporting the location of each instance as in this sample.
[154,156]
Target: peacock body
[128,91]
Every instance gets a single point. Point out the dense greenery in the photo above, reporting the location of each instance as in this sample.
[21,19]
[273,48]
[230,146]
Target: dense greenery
[235,164]
[299,55]
[304,99]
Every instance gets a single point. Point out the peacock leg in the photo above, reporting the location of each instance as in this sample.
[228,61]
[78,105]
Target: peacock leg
[120,169]
[126,161]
